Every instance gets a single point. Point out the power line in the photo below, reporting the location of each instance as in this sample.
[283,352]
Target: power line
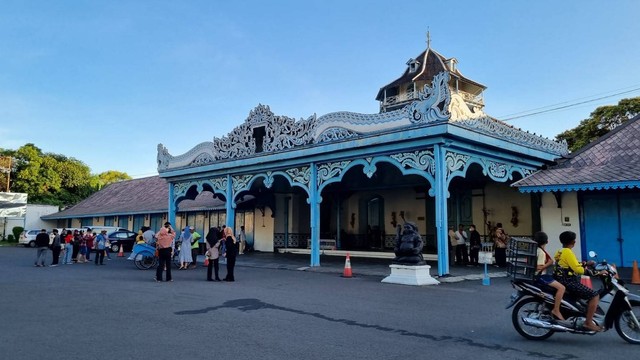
[568,106]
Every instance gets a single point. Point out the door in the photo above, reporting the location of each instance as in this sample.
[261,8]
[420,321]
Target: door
[610,222]
[156,222]
[138,222]
[123,222]
[629,220]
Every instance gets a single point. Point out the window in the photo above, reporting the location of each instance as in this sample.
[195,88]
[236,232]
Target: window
[258,135]
[413,65]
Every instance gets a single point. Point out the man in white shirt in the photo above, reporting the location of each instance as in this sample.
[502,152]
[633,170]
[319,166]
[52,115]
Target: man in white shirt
[242,241]
[462,257]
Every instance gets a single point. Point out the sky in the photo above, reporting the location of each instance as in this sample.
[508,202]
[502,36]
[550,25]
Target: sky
[106,81]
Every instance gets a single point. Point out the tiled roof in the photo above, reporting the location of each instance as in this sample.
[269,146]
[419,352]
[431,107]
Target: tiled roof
[614,158]
[139,196]
[431,63]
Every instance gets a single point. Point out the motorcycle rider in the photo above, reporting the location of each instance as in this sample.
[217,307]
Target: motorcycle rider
[568,273]
[544,262]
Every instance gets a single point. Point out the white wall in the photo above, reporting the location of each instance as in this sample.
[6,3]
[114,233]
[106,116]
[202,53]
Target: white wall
[394,201]
[499,200]
[554,219]
[263,236]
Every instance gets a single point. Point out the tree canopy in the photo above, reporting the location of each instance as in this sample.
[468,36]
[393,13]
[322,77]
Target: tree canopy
[602,120]
[53,178]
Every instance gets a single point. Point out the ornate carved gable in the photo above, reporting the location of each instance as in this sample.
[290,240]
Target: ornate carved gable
[263,132]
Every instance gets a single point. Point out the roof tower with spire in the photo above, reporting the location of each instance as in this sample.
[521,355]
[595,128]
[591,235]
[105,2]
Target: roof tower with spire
[419,72]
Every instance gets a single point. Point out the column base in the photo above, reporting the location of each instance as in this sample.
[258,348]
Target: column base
[410,275]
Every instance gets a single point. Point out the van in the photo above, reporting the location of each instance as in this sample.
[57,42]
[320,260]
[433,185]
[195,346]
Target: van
[98,229]
[68,229]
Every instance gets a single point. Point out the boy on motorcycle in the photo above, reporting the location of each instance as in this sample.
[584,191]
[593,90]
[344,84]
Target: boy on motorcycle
[568,273]
[544,262]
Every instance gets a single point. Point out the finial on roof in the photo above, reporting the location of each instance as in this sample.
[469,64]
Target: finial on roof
[428,38]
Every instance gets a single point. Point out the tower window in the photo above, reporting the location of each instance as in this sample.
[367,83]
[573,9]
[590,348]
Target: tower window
[258,136]
[413,65]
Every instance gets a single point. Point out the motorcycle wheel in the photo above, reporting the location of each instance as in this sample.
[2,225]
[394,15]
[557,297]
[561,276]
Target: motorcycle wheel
[530,308]
[145,261]
[626,326]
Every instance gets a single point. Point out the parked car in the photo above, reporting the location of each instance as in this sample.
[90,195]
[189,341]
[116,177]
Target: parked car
[124,238]
[28,238]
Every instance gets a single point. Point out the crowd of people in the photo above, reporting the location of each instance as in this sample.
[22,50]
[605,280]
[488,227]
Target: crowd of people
[71,247]
[218,243]
[464,248]
[77,246]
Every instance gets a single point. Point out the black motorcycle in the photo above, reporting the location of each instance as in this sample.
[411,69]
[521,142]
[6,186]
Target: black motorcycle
[617,308]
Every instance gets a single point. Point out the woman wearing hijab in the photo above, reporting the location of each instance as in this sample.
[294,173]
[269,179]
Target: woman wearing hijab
[213,253]
[185,249]
[230,253]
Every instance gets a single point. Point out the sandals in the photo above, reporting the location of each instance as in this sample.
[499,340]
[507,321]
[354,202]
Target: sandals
[595,327]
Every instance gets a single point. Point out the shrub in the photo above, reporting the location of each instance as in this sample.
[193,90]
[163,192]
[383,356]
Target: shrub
[10,238]
[17,230]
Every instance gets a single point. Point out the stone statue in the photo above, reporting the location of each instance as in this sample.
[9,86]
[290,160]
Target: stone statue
[409,245]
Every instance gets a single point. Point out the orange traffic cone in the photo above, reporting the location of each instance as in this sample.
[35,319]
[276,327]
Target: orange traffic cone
[121,252]
[635,275]
[347,267]
[586,281]
[206,261]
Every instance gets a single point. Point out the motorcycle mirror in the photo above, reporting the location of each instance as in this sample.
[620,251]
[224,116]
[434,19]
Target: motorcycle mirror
[592,254]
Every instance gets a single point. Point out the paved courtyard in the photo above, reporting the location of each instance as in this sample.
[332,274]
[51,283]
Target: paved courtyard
[272,311]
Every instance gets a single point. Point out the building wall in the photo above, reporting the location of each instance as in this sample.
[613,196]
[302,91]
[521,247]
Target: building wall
[394,201]
[263,240]
[557,220]
[499,200]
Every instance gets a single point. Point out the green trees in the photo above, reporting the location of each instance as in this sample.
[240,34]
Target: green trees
[53,178]
[601,121]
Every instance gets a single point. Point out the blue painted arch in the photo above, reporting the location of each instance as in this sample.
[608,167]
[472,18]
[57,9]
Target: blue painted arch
[369,168]
[269,178]
[461,162]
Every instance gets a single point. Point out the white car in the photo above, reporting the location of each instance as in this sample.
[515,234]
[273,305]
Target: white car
[28,238]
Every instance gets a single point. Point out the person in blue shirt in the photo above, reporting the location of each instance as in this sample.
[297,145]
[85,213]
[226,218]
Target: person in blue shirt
[101,242]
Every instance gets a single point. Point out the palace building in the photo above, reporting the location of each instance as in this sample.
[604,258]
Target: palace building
[346,180]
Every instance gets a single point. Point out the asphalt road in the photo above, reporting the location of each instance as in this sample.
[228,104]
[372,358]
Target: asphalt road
[115,311]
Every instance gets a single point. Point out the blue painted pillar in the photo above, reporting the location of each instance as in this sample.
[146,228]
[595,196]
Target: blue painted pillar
[230,204]
[441,193]
[314,204]
[173,208]
[338,221]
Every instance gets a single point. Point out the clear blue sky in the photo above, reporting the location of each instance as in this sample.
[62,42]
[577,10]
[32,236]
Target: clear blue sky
[106,81]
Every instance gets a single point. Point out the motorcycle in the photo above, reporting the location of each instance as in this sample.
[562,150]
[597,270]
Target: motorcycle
[532,303]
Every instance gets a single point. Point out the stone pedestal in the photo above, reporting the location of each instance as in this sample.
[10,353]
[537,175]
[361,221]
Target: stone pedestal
[410,275]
